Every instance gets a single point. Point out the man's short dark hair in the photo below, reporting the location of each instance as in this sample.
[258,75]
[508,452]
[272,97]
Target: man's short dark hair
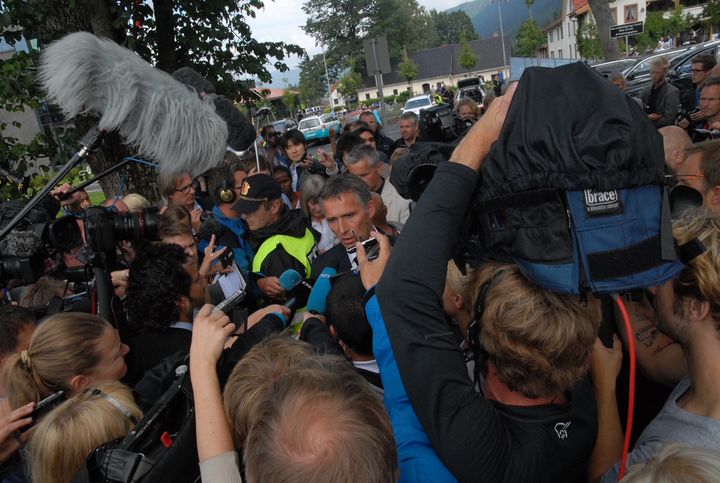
[708,61]
[12,319]
[361,129]
[348,141]
[346,312]
[282,169]
[294,135]
[709,159]
[346,183]
[360,153]
[157,280]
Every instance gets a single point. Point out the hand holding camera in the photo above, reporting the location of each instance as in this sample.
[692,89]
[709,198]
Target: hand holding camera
[371,269]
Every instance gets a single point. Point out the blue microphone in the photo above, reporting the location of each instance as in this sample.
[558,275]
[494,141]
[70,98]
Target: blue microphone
[298,290]
[318,295]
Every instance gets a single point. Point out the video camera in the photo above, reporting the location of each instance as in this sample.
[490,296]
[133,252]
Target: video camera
[440,124]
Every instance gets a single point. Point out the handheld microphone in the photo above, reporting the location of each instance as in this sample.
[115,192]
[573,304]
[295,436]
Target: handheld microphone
[209,228]
[153,112]
[298,290]
[318,295]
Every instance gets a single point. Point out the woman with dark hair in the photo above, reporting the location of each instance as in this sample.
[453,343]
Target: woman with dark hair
[295,147]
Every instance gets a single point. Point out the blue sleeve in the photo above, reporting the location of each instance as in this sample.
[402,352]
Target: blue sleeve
[418,461]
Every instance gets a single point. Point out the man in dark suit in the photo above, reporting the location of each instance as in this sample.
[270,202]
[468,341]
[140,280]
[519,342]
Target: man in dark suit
[164,287]
[348,207]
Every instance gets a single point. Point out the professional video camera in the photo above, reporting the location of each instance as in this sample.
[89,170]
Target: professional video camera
[440,124]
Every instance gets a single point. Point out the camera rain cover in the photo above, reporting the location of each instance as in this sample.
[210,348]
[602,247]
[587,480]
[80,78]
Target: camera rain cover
[572,191]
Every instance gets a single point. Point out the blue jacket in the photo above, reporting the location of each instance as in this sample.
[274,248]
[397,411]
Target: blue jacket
[244,252]
[418,461]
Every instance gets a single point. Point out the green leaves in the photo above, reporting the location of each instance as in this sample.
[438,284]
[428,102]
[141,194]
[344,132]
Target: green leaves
[529,38]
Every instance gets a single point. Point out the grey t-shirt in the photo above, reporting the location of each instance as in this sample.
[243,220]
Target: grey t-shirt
[672,425]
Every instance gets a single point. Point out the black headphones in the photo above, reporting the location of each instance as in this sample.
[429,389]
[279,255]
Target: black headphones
[226,190]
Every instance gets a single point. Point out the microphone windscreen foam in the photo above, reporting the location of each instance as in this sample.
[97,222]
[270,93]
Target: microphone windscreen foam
[193,79]
[241,133]
[318,296]
[289,279]
[154,113]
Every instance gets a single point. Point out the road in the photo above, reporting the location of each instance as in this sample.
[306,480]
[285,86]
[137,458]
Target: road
[392,131]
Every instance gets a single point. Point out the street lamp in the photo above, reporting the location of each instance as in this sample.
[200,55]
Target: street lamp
[502,35]
[327,79]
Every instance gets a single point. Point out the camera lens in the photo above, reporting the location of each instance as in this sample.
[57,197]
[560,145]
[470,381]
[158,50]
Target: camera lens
[137,226]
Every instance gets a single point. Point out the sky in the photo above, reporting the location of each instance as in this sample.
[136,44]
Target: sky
[281,20]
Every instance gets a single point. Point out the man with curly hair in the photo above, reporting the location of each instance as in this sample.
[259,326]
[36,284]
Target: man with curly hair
[164,287]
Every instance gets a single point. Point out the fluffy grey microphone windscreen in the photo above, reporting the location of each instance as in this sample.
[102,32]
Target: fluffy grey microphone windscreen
[153,112]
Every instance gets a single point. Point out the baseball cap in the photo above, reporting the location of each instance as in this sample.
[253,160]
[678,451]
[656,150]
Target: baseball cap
[256,190]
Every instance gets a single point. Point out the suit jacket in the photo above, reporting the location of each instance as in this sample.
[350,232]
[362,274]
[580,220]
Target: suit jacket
[336,257]
[667,103]
[149,349]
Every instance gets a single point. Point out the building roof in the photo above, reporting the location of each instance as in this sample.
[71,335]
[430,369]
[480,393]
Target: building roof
[272,92]
[443,61]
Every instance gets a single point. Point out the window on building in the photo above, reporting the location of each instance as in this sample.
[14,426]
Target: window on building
[631,13]
[613,16]
[337,101]
[550,34]
[367,96]
[560,54]
[395,92]
[552,54]
[561,32]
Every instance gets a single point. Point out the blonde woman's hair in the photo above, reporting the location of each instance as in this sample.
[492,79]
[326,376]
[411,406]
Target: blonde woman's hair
[248,385]
[63,346]
[676,463]
[459,283]
[540,341]
[64,438]
[136,202]
[701,277]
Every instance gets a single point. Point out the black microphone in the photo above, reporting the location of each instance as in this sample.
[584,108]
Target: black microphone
[297,289]
[22,244]
[209,228]
[21,256]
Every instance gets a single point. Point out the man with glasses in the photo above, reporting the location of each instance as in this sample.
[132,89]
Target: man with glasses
[701,66]
[701,171]
[178,189]
[661,99]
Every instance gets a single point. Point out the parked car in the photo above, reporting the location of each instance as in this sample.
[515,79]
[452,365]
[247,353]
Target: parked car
[317,128]
[284,125]
[417,103]
[607,68]
[679,73]
[472,88]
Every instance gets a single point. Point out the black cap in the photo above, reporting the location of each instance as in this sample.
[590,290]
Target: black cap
[255,190]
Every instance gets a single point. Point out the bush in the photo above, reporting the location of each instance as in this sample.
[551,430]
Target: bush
[403,97]
[389,99]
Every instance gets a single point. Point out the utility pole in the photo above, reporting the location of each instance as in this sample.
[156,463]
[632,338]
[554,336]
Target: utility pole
[327,79]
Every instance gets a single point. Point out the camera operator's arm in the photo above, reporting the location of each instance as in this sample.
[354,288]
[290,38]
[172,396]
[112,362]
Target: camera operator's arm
[463,427]
[216,449]
[658,356]
[606,363]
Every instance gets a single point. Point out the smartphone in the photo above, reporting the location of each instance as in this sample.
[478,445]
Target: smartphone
[227,258]
[372,248]
[44,407]
[230,302]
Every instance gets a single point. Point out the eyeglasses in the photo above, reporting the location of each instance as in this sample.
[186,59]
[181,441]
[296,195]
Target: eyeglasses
[186,189]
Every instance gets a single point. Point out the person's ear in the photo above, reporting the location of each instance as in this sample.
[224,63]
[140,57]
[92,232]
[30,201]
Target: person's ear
[371,208]
[698,309]
[277,206]
[79,383]
[715,196]
[458,301]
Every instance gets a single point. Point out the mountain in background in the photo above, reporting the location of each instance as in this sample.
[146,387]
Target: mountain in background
[292,76]
[484,15]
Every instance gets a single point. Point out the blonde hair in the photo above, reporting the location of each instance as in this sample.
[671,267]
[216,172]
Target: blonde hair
[676,463]
[42,292]
[247,387]
[459,283]
[64,438]
[63,346]
[321,422]
[540,341]
[167,184]
[136,202]
[701,277]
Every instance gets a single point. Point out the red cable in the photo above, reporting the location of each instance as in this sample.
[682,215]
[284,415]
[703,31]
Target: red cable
[631,390]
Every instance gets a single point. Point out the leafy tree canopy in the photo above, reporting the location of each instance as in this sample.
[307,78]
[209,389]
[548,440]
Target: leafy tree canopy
[528,39]
[452,27]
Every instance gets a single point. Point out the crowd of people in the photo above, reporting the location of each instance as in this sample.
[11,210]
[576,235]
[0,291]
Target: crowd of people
[362,348]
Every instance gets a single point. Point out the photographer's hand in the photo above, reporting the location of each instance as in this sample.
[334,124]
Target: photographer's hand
[683,123]
[208,268]
[475,146]
[372,270]
[195,220]
[697,116]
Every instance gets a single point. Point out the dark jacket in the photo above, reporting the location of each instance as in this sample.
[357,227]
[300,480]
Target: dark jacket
[148,349]
[336,258]
[667,103]
[477,439]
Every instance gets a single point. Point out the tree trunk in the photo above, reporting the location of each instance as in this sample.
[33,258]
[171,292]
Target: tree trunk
[603,19]
[165,35]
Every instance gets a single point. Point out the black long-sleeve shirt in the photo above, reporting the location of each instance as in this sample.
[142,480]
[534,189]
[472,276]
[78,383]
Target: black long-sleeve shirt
[477,439]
